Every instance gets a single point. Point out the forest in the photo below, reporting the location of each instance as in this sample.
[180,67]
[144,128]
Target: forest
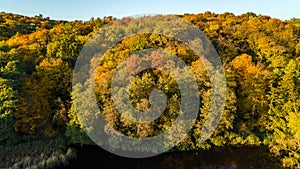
[38,122]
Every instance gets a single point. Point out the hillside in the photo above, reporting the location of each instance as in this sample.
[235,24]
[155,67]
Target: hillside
[260,55]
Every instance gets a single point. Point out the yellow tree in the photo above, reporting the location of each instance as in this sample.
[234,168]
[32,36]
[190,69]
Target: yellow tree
[252,86]
[45,99]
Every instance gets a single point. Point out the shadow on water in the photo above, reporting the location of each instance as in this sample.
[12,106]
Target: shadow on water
[93,157]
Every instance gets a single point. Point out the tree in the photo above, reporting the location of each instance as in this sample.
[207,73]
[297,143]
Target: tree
[252,102]
[10,76]
[66,48]
[8,104]
[45,99]
[284,115]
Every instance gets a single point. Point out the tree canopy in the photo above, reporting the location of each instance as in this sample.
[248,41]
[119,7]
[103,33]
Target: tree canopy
[260,55]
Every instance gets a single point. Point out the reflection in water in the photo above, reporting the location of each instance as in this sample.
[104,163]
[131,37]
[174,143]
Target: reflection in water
[93,157]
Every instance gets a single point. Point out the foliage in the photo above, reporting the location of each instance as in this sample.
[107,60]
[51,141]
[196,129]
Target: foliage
[260,54]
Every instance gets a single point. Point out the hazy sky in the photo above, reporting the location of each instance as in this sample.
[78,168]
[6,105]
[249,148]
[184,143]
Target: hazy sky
[84,10]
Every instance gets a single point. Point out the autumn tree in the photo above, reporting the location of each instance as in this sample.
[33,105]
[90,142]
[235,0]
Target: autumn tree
[48,89]
[283,114]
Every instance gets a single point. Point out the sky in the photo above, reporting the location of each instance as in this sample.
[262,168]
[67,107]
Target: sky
[85,10]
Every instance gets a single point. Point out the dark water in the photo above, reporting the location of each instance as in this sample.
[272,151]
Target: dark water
[93,157]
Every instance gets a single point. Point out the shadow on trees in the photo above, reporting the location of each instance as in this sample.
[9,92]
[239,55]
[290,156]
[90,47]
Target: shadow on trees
[93,157]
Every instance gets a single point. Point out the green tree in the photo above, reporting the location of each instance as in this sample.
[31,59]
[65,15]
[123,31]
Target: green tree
[284,115]
[66,48]
[8,104]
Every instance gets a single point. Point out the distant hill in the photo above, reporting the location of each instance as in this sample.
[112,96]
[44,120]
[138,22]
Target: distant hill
[10,24]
